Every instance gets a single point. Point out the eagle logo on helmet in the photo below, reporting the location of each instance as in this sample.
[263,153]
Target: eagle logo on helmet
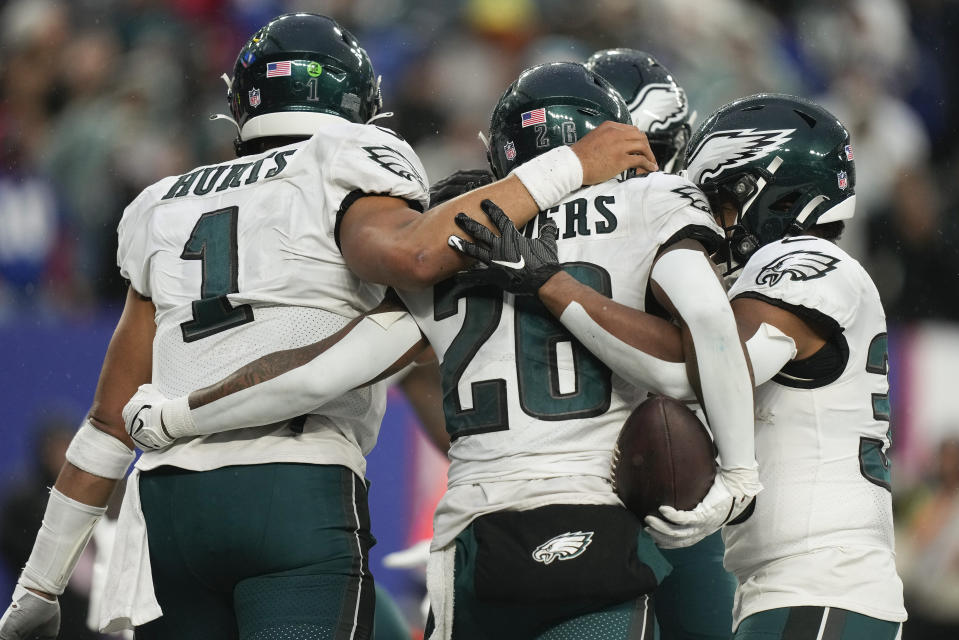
[797,265]
[658,106]
[724,150]
[565,546]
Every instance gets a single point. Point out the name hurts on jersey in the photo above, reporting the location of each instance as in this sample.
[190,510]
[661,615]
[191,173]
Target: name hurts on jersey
[203,180]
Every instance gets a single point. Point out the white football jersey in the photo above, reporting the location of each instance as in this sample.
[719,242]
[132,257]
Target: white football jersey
[523,399]
[822,532]
[241,260]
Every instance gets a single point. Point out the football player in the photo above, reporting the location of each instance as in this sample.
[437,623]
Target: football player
[263,531]
[814,555]
[695,600]
[657,104]
[532,416]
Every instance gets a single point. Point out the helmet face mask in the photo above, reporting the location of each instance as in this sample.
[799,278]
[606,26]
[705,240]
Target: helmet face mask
[669,147]
[548,106]
[295,70]
[657,104]
[785,163]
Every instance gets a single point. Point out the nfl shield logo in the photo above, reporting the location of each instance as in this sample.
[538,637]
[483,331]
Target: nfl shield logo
[510,151]
[843,180]
[254,96]
[848,150]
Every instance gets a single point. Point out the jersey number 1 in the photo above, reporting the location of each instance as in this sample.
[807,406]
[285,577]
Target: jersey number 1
[213,242]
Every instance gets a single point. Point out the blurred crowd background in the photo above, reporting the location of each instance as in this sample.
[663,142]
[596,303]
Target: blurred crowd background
[100,98]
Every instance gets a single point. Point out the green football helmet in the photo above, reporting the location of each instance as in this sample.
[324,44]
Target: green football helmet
[549,105]
[297,66]
[656,103]
[783,161]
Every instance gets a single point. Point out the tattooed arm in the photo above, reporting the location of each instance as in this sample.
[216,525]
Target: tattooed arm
[282,385]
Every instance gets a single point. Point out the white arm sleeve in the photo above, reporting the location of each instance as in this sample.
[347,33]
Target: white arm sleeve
[690,282]
[371,347]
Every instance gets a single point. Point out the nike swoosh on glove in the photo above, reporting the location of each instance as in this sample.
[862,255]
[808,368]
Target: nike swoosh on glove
[512,261]
[732,492]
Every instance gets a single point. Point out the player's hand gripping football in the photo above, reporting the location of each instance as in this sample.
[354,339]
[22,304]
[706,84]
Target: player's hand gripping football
[143,421]
[512,261]
[612,148]
[732,492]
[30,616]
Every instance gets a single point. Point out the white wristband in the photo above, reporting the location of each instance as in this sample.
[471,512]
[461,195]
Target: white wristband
[67,526]
[99,453]
[551,177]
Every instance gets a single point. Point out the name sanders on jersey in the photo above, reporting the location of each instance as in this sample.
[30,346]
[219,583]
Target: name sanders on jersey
[580,217]
[226,176]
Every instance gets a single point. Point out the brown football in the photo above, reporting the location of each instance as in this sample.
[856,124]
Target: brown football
[664,456]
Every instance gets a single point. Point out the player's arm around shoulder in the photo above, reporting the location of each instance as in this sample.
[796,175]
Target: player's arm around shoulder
[284,384]
[385,241]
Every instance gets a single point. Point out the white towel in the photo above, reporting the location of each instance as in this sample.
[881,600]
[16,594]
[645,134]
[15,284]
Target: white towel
[128,598]
[439,587]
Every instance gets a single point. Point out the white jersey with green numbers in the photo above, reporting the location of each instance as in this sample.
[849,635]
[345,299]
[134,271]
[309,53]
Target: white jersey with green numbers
[523,400]
[821,533]
[241,260]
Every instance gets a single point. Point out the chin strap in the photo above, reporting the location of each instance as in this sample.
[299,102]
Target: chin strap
[385,114]
[238,141]
[223,116]
[483,139]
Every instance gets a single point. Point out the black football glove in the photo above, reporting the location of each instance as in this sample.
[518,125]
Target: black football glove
[458,183]
[513,262]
